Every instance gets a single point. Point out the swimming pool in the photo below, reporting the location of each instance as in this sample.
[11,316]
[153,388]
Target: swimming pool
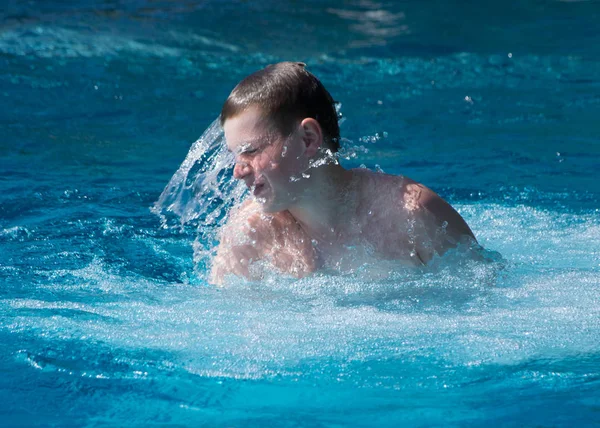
[106,320]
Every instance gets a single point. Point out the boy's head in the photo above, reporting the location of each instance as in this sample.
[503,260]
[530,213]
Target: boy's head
[286,93]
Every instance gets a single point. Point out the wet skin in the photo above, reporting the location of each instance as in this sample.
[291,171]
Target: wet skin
[306,212]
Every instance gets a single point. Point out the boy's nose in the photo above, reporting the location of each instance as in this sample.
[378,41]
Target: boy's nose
[241,170]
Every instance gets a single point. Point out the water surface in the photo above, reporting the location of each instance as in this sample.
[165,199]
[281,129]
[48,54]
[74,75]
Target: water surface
[107,321]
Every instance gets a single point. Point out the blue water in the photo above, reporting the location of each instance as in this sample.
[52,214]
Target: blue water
[106,318]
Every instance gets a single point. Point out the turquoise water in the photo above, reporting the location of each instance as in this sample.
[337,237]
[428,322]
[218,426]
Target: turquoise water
[106,319]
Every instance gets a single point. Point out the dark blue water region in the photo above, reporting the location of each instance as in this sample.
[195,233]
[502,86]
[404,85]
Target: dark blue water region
[107,318]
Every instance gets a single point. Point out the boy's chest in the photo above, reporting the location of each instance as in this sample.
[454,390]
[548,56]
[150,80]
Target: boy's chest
[367,241]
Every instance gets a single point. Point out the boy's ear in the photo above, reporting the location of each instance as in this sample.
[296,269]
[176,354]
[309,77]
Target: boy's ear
[312,136]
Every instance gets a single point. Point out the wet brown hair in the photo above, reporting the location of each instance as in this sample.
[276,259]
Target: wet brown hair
[286,92]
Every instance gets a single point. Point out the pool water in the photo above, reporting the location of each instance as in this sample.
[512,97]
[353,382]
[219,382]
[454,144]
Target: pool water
[106,315]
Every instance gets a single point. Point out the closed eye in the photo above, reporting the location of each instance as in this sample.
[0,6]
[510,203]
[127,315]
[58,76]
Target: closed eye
[249,147]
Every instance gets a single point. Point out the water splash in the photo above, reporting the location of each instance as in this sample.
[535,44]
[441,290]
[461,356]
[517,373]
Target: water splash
[201,192]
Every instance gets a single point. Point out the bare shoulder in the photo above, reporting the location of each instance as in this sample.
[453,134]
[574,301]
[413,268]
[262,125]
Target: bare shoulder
[420,201]
[251,235]
[389,193]
[420,197]
[249,220]
[407,217]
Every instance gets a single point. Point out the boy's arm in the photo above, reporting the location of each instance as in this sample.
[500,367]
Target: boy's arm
[442,226]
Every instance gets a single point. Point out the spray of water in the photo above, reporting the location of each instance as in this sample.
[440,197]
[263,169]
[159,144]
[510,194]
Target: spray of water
[201,192]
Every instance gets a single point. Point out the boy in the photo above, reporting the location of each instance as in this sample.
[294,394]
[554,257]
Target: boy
[306,211]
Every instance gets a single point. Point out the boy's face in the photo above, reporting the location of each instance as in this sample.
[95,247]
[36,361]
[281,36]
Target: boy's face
[271,165]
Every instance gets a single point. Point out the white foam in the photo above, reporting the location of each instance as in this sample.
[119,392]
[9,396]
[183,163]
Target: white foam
[466,313]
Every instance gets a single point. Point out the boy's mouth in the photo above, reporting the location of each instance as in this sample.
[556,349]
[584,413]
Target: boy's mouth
[259,188]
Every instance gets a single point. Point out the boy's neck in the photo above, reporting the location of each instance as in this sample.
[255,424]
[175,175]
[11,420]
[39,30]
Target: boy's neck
[326,205]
